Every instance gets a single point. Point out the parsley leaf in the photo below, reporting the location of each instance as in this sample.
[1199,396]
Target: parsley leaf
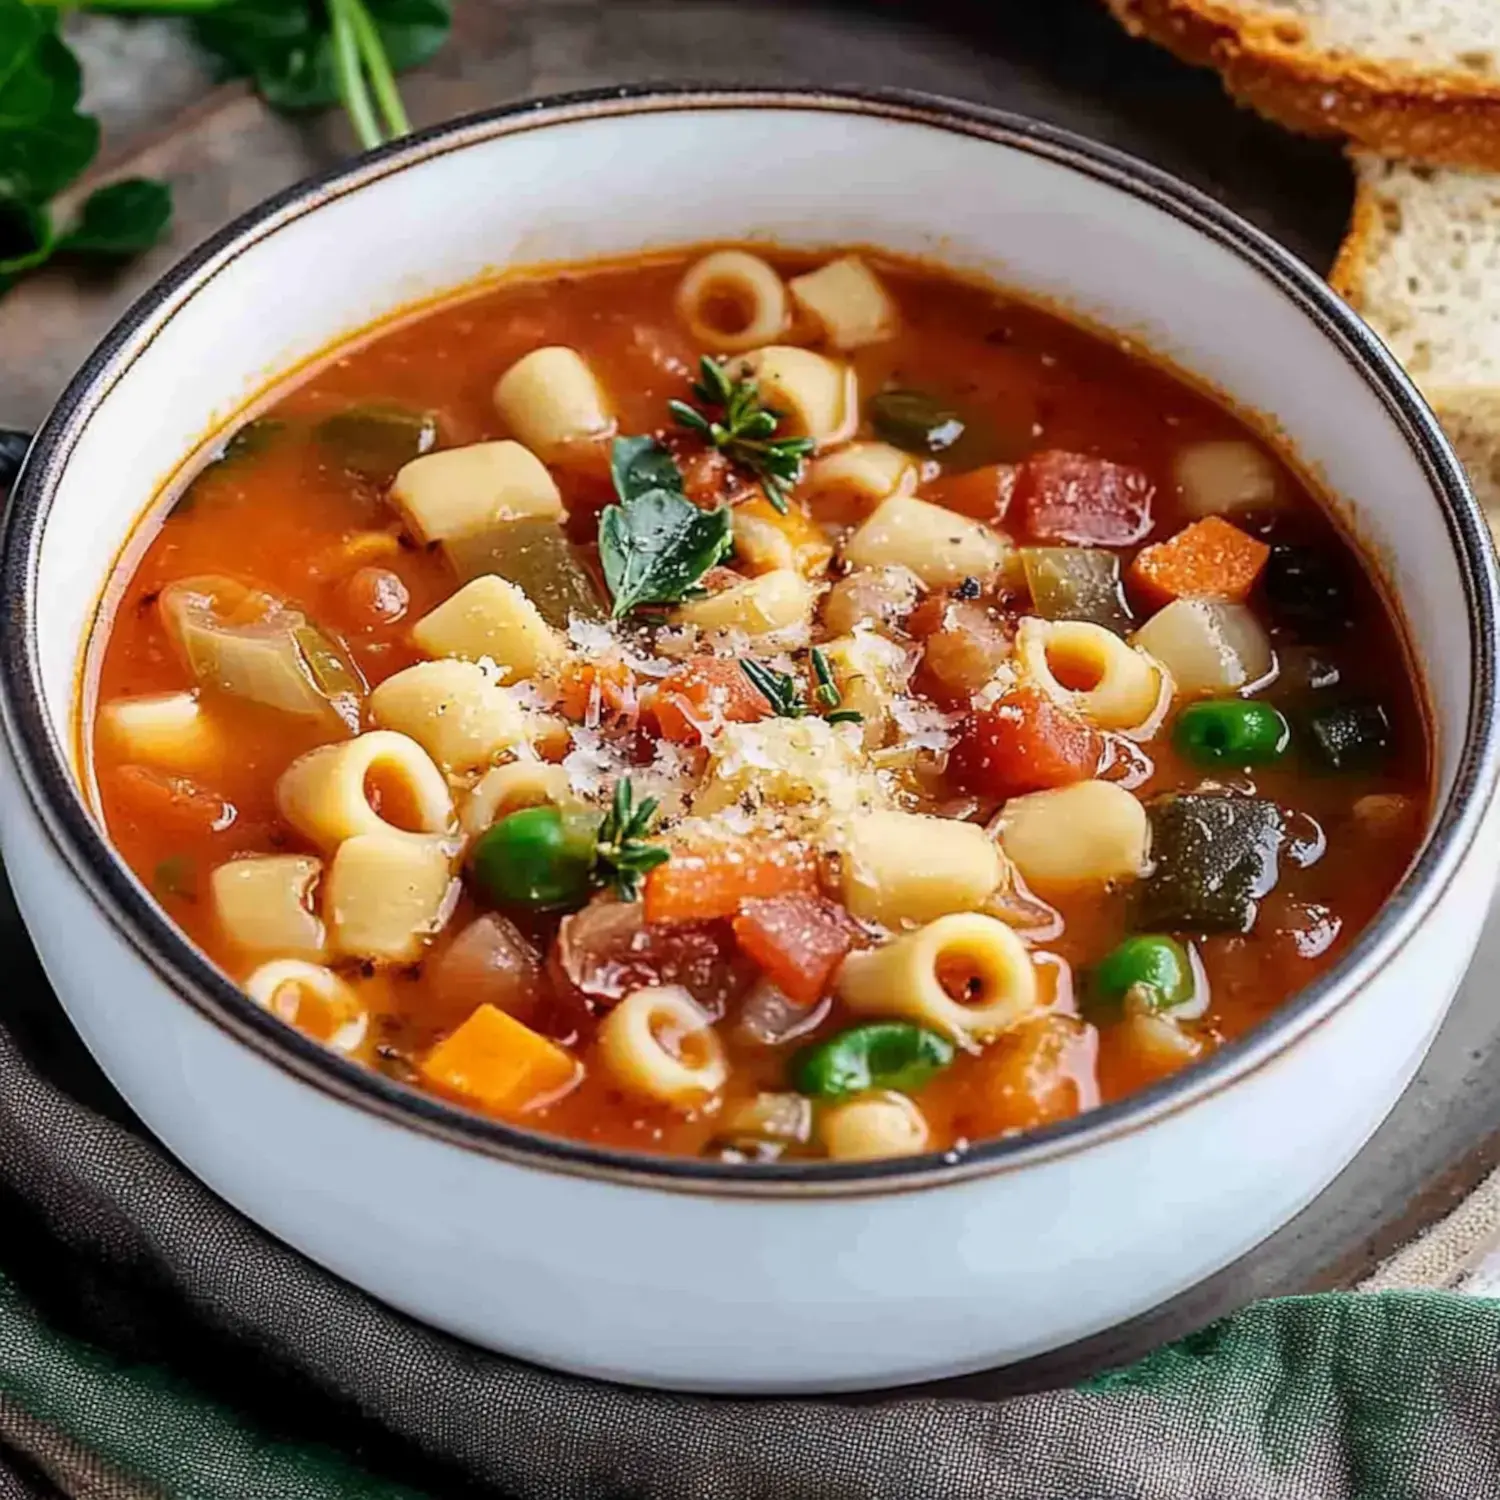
[744,429]
[656,544]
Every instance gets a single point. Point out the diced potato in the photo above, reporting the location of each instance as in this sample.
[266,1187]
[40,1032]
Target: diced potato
[386,894]
[941,547]
[490,619]
[848,301]
[1217,478]
[550,399]
[1208,647]
[906,867]
[170,730]
[453,709]
[775,601]
[879,598]
[458,490]
[850,483]
[1088,834]
[264,904]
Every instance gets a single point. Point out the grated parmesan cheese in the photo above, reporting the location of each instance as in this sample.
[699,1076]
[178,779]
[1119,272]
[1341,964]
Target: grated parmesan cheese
[923,726]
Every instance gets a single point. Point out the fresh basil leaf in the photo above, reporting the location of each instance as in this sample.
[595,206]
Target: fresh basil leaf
[656,547]
[640,464]
[413,30]
[44,142]
[122,219]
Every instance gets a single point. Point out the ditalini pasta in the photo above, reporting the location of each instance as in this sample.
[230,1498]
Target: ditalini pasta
[758,705]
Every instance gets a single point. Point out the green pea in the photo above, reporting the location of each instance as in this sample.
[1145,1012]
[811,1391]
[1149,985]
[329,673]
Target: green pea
[1231,732]
[1152,970]
[538,858]
[881,1055]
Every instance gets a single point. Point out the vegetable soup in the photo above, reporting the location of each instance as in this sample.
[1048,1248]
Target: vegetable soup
[758,706]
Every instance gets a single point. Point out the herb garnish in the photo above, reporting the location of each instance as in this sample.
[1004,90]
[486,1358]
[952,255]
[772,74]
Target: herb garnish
[744,430]
[655,544]
[784,692]
[622,857]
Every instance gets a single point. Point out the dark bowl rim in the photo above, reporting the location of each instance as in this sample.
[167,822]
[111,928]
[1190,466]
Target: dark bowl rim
[43,762]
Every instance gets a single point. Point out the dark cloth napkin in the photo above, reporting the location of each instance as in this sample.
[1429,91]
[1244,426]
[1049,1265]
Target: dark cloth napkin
[153,1343]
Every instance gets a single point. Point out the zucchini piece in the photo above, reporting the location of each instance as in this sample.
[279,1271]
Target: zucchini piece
[1355,735]
[1076,583]
[533,554]
[1214,857]
[915,421]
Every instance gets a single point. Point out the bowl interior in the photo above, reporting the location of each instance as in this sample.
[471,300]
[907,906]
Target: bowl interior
[605,184]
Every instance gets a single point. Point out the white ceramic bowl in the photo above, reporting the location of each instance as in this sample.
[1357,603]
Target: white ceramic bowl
[697,1274]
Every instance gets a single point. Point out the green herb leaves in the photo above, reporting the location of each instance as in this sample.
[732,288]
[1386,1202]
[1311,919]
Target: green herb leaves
[45,143]
[744,430]
[622,858]
[655,544]
[303,54]
[784,692]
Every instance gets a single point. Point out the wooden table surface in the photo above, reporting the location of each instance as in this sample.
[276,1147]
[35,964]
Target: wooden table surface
[1063,61]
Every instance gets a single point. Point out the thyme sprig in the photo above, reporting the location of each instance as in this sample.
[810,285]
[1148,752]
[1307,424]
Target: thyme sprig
[622,856]
[784,693]
[742,427]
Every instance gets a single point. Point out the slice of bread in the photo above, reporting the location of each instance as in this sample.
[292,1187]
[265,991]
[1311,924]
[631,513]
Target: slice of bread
[1421,264]
[1417,79]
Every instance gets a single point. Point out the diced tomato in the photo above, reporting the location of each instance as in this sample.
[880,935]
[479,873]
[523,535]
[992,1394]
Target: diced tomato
[798,940]
[597,691]
[1070,497]
[1211,559]
[703,694]
[607,951]
[1024,742]
[179,803]
[983,493]
[715,879]
[707,476]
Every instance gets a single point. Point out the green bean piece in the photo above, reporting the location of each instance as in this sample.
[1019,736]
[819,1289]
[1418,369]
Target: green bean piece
[1149,971]
[537,557]
[374,441]
[915,421]
[879,1055]
[538,858]
[1231,732]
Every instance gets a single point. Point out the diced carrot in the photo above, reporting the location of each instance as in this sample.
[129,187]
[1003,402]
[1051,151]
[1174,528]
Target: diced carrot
[1025,742]
[597,691]
[175,802]
[1211,559]
[798,940]
[983,493]
[715,879]
[500,1064]
[1043,1071]
[703,694]
[1071,497]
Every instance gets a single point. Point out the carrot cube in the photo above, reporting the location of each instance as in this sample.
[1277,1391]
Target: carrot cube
[713,880]
[1211,559]
[496,1062]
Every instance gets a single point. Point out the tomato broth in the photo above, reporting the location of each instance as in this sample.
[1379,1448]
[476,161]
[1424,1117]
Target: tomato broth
[1020,727]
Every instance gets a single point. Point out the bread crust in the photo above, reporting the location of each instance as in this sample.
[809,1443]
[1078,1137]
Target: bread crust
[1361,244]
[1449,118]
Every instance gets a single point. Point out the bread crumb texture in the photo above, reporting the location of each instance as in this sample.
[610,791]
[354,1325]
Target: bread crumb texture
[1418,79]
[1421,264]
